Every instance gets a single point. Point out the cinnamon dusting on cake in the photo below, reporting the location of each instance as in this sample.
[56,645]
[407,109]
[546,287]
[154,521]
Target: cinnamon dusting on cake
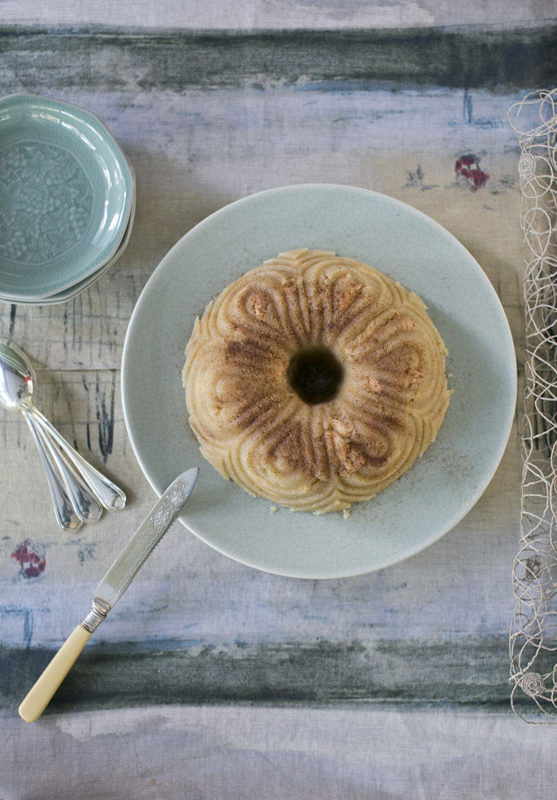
[324,453]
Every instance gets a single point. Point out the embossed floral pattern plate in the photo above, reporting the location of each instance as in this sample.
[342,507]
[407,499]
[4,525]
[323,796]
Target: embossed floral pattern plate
[439,489]
[81,286]
[66,195]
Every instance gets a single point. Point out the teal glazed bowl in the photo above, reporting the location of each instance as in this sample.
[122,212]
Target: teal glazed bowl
[67,192]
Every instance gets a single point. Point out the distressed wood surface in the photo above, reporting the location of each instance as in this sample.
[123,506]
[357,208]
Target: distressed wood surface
[196,145]
[206,119]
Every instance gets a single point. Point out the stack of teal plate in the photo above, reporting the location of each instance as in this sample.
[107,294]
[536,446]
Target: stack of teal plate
[67,200]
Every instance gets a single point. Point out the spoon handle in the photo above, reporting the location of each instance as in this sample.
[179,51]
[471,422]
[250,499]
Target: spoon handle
[104,490]
[66,516]
[83,501]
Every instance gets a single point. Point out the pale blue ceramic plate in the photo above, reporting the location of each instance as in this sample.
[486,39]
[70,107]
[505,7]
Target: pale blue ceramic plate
[77,288]
[439,489]
[66,194]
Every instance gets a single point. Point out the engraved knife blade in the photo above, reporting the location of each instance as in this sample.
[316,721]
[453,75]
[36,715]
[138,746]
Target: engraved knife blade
[145,539]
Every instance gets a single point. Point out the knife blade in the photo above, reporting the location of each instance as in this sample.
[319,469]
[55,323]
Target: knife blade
[111,588]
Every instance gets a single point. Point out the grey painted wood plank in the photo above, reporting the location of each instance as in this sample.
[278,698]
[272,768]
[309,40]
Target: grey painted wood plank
[446,672]
[468,58]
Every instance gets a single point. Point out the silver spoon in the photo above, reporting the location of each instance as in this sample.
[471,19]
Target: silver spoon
[17,380]
[64,510]
[72,500]
[87,508]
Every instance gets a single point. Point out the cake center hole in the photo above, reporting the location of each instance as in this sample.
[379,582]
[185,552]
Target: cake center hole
[315,375]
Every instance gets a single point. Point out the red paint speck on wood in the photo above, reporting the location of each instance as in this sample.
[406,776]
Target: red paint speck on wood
[469,168]
[31,563]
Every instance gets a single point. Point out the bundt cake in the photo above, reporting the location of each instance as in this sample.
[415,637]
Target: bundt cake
[315,381]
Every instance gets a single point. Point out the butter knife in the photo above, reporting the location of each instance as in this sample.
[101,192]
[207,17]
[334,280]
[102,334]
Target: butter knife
[110,590]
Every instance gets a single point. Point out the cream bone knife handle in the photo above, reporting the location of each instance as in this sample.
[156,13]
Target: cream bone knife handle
[46,686]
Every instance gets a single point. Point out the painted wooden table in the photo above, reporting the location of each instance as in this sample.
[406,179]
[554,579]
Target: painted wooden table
[212,679]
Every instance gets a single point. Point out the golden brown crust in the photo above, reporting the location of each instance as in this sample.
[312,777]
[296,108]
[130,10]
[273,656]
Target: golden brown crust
[252,424]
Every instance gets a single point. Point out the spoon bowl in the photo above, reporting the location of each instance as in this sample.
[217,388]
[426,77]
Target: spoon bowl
[17,377]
